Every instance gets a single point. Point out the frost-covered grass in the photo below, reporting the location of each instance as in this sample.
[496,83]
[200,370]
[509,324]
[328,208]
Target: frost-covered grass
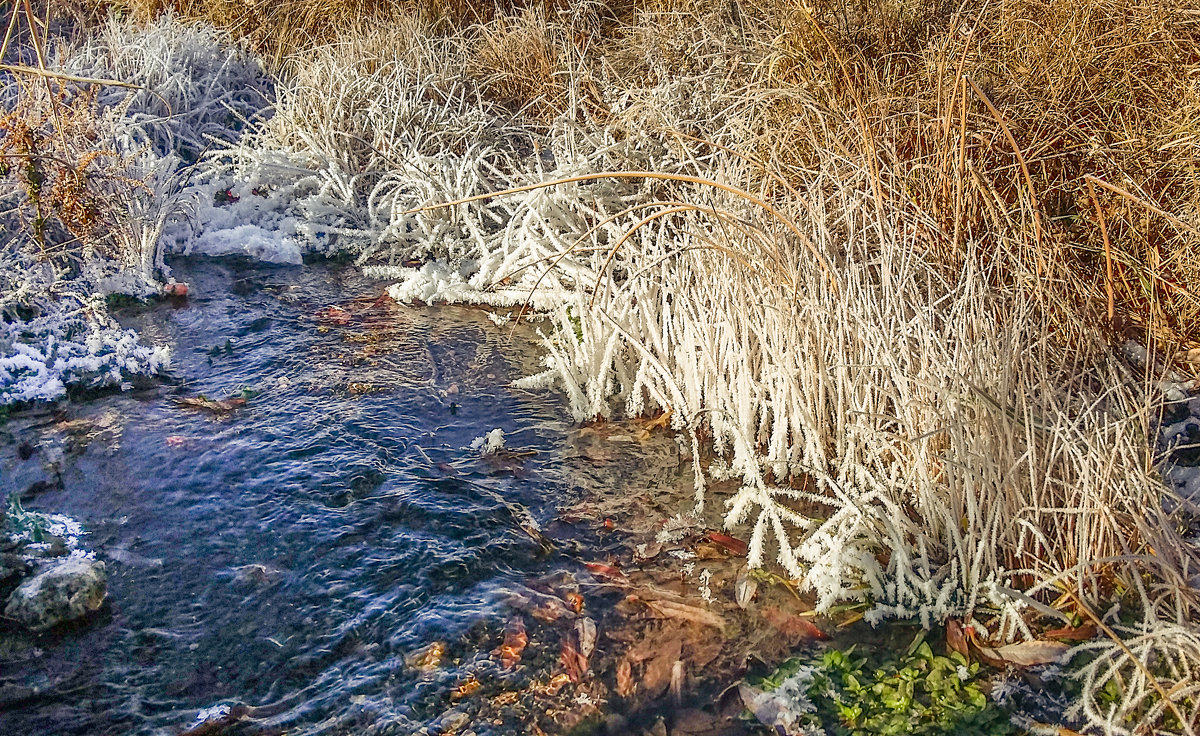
[93,182]
[847,291]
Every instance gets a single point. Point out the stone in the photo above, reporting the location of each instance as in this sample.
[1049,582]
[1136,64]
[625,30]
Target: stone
[66,591]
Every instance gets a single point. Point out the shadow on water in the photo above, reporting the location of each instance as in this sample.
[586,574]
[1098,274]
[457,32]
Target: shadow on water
[293,552]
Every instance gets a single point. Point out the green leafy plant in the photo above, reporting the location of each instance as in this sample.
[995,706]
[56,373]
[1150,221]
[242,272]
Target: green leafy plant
[917,693]
[24,523]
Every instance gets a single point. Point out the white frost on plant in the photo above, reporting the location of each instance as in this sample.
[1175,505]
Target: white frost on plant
[83,347]
[705,589]
[490,443]
[677,527]
[212,713]
[787,706]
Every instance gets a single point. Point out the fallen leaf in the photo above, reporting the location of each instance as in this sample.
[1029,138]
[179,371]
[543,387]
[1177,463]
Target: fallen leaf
[515,640]
[647,551]
[745,587]
[657,676]
[222,407]
[585,634]
[575,601]
[572,660]
[333,316]
[608,572]
[733,545]
[684,612]
[766,708]
[795,628]
[662,421]
[429,657]
[1072,633]
[625,684]
[955,639]
[553,685]
[1022,654]
[464,689]
[677,680]
[508,697]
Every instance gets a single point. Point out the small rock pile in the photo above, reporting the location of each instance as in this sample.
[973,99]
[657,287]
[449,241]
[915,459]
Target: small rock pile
[46,578]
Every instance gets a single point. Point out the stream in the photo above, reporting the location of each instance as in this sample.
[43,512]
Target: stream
[291,552]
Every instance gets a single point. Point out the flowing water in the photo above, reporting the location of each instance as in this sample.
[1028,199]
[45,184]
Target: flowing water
[292,553]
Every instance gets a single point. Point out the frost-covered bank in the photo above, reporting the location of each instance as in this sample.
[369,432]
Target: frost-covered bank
[94,185]
[919,418]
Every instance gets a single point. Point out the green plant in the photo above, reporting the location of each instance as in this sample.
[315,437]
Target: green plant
[916,693]
[22,523]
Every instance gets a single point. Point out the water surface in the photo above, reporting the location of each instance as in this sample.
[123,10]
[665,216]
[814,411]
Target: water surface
[292,553]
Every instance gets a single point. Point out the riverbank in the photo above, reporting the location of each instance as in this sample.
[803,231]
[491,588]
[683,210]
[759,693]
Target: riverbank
[870,289]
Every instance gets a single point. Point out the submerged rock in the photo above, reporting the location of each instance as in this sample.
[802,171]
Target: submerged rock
[68,590]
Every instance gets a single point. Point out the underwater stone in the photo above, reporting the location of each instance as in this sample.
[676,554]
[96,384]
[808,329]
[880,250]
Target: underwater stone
[69,590]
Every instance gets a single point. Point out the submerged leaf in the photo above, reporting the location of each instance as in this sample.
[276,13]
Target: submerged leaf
[515,640]
[222,407]
[732,545]
[585,634]
[796,628]
[745,587]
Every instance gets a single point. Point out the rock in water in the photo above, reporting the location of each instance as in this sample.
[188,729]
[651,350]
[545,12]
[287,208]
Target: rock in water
[69,590]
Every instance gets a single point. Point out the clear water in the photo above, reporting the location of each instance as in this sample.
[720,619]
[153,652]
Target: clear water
[292,554]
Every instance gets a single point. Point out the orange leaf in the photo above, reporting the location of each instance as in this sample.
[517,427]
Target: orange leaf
[515,640]
[625,683]
[732,545]
[795,628]
[608,572]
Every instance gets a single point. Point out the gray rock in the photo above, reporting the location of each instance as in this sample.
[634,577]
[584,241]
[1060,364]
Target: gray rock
[66,591]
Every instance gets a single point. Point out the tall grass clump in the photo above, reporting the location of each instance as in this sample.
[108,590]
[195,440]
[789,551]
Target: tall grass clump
[95,131]
[876,259]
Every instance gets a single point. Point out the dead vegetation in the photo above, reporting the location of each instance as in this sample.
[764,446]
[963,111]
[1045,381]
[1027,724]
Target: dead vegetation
[901,237]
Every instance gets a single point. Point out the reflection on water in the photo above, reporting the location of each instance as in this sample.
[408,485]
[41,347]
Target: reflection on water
[290,554]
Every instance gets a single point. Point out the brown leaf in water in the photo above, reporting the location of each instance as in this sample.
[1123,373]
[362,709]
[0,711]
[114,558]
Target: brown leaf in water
[625,683]
[552,686]
[515,640]
[221,407]
[732,545]
[796,628]
[647,551]
[572,660]
[1072,633]
[955,638]
[574,600]
[684,612]
[585,636]
[464,689]
[657,676]
[744,587]
[607,572]
[333,316]
[508,697]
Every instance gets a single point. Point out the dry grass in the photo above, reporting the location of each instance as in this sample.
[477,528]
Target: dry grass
[876,257]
